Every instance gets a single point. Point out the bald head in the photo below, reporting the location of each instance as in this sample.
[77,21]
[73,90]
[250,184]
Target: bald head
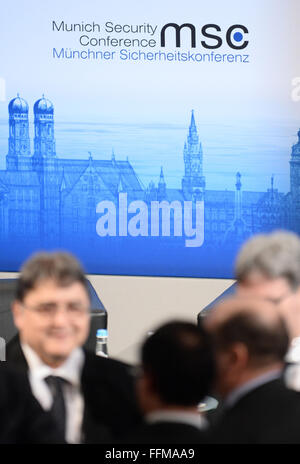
[255,323]
[258,307]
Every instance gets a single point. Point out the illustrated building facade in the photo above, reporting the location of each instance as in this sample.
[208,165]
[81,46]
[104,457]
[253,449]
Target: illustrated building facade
[49,199]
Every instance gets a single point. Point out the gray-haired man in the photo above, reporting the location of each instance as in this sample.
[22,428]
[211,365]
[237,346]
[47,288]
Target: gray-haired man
[268,266]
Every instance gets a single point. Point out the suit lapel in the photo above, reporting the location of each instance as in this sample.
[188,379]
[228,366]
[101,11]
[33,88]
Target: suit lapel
[15,355]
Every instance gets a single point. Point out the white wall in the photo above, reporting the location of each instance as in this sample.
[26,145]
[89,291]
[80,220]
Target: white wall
[136,305]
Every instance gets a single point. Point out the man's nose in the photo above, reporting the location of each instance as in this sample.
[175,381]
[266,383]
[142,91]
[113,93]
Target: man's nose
[60,316]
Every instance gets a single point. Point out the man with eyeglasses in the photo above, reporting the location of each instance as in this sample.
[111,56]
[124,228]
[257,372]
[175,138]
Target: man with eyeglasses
[91,398]
[268,266]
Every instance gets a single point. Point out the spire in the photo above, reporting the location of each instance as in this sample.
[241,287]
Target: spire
[121,187]
[161,178]
[238,181]
[193,139]
[193,124]
[272,183]
[63,185]
[272,187]
[193,129]
[161,191]
[238,198]
[90,159]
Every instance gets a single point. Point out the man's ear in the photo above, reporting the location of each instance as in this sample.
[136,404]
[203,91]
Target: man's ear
[144,390]
[239,355]
[17,310]
[146,382]
[297,296]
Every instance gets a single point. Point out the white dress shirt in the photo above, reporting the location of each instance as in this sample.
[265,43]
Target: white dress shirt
[292,372]
[189,418]
[71,372]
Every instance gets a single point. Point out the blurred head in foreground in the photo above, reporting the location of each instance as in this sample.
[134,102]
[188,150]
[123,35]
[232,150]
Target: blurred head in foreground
[268,266]
[250,339]
[177,368]
[51,309]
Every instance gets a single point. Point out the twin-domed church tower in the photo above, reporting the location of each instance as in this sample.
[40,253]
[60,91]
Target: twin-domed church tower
[43,163]
[19,155]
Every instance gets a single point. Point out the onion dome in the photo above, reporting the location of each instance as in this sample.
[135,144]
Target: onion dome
[17,105]
[43,106]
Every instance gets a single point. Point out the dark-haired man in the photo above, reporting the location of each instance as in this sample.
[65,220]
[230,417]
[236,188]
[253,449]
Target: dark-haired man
[177,371]
[251,340]
[91,398]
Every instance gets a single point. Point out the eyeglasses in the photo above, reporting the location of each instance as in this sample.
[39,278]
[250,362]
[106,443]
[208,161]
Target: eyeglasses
[279,299]
[49,309]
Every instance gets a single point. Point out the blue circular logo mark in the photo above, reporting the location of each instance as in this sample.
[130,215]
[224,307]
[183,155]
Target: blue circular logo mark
[238,36]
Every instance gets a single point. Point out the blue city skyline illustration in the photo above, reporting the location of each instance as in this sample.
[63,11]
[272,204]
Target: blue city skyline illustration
[48,201]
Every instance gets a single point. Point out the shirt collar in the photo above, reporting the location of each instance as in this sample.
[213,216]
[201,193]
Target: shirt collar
[241,391]
[190,418]
[70,370]
[293,354]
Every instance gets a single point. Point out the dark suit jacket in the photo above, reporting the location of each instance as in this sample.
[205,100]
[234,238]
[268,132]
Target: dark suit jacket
[164,432]
[107,386]
[268,414]
[22,420]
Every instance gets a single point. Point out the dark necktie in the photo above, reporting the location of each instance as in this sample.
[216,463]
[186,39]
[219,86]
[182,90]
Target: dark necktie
[58,409]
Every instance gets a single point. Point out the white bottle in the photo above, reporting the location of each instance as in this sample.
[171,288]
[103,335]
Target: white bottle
[101,343]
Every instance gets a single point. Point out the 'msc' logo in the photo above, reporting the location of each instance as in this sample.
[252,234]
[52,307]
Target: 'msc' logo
[235,35]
